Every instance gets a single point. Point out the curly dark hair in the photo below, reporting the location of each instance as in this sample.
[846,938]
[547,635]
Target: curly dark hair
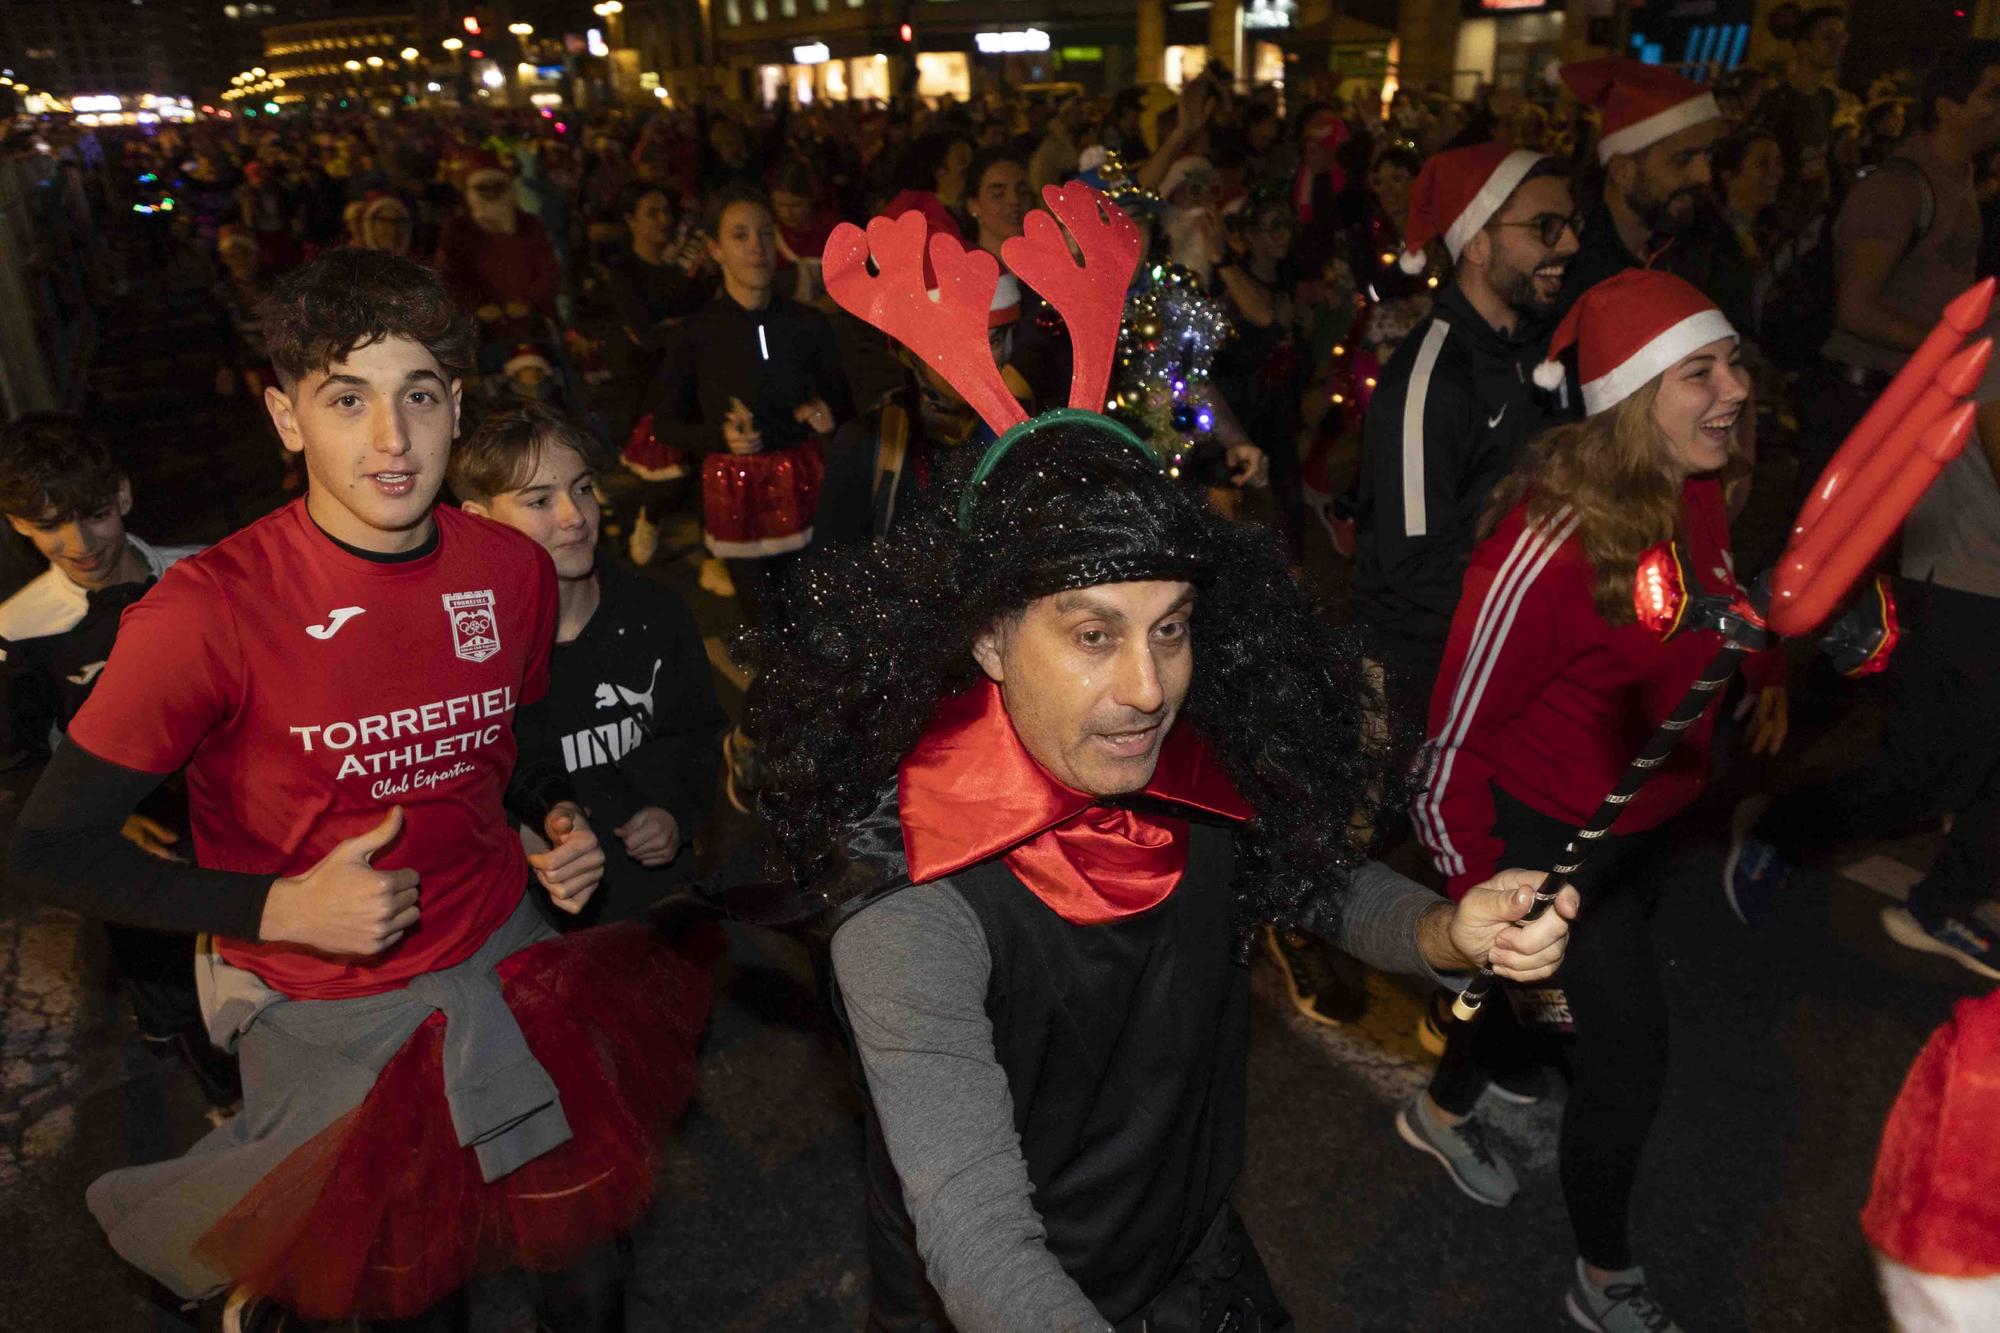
[350,298]
[55,467]
[879,636]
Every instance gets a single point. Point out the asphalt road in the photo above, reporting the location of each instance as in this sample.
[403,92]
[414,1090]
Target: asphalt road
[1789,1044]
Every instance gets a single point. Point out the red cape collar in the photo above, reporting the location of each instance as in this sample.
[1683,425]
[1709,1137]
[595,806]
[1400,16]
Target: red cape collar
[970,791]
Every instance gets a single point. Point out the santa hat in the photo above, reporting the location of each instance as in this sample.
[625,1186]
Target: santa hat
[1627,330]
[527,358]
[1457,193]
[479,163]
[1641,104]
[1935,1203]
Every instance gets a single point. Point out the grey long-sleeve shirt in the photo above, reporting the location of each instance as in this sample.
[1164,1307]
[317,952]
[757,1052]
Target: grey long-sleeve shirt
[913,971]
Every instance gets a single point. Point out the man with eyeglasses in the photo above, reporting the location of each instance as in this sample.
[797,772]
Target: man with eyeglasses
[1450,412]
[1455,403]
[1656,132]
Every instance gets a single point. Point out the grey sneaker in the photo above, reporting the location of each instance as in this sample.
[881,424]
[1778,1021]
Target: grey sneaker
[1626,1306]
[1462,1148]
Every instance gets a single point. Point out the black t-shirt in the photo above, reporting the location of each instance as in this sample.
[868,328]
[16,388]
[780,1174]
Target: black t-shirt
[632,699]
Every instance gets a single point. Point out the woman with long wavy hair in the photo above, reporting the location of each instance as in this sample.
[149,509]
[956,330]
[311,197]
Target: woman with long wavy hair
[1550,685]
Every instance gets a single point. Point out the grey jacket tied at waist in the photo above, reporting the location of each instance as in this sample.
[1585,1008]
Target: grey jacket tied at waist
[503,1104]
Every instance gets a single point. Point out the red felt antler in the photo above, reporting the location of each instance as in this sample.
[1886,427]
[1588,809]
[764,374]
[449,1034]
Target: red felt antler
[1090,296]
[948,332]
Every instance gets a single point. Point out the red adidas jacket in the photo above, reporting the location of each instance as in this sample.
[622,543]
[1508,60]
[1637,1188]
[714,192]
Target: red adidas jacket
[1541,697]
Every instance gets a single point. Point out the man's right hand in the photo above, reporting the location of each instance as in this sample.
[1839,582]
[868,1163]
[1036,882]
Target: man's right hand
[344,905]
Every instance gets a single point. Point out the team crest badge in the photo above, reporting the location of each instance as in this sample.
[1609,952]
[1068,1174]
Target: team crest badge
[475,629]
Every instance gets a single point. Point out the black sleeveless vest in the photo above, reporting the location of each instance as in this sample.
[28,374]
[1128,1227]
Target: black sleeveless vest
[1125,1047]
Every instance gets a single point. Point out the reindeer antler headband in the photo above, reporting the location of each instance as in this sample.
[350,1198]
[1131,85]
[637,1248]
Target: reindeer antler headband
[948,329]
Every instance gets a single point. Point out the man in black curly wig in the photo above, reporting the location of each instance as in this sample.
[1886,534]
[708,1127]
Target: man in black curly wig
[1042,766]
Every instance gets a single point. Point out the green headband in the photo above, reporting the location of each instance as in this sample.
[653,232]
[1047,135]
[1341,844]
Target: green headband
[1016,433]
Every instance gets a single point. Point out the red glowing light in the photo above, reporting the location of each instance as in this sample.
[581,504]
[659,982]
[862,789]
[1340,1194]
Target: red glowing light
[907,33]
[561,128]
[1659,590]
[475,55]
[472,25]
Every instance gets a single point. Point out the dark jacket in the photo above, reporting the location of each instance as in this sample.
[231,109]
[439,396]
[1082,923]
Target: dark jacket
[633,700]
[1453,408]
[773,360]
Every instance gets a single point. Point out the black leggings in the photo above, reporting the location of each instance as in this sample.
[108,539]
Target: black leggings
[587,1297]
[1618,1055]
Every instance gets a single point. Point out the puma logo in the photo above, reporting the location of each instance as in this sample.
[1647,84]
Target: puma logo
[608,696]
[334,621]
[88,674]
[1496,418]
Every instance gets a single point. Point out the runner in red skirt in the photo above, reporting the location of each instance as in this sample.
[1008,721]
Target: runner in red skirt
[434,1083]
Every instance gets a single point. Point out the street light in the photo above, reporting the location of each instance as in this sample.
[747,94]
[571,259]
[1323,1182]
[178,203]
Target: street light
[408,53]
[257,72]
[353,65]
[453,44]
[521,29]
[374,62]
[606,8]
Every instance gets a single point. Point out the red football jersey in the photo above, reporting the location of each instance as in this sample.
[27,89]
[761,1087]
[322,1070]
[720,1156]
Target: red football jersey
[307,690]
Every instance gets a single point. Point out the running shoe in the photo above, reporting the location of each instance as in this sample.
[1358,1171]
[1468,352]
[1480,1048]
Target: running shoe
[1320,987]
[1952,937]
[1754,873]
[1475,1168]
[1626,1306]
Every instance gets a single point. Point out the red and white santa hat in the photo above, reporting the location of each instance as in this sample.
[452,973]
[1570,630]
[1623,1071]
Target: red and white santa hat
[1627,331]
[1640,104]
[481,164]
[1457,193]
[527,357]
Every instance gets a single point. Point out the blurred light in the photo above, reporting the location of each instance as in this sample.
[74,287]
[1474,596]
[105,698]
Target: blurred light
[433,88]
[521,29]
[453,44]
[353,65]
[256,71]
[1007,43]
[812,53]
[271,107]
[606,8]
[548,114]
[375,62]
[492,78]
[472,25]
[89,120]
[594,38]
[907,33]
[659,92]
[409,53]
[561,128]
[475,54]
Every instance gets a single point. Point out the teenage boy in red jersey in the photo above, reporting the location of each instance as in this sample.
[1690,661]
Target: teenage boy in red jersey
[345,681]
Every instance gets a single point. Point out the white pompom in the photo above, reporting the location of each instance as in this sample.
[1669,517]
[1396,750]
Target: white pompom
[1413,262]
[1549,375]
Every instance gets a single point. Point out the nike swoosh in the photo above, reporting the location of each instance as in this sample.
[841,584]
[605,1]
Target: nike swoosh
[88,674]
[1496,418]
[334,622]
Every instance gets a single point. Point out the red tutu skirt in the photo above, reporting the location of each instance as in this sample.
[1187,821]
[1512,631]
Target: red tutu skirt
[761,504]
[382,1214]
[645,456]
